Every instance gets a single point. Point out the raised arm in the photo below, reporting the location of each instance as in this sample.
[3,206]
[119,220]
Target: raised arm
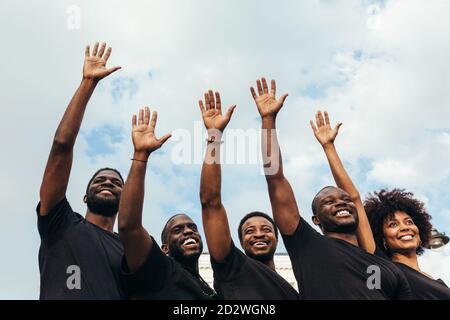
[215,222]
[59,163]
[326,136]
[282,199]
[136,241]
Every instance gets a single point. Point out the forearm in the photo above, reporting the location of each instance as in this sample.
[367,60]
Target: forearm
[70,124]
[271,152]
[340,176]
[211,176]
[132,198]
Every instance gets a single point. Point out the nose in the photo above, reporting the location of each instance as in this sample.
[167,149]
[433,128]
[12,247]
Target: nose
[187,230]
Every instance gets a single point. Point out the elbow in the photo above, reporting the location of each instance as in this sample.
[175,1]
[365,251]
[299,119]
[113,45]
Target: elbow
[210,200]
[61,144]
[125,225]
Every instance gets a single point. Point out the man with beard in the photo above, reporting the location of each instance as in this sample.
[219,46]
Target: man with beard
[166,273]
[237,276]
[79,258]
[329,266]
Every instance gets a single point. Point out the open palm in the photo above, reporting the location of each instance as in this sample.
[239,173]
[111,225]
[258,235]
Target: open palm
[266,102]
[212,112]
[322,130]
[95,64]
[143,132]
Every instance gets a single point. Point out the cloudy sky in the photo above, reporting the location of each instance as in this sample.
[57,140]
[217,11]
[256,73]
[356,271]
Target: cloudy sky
[380,67]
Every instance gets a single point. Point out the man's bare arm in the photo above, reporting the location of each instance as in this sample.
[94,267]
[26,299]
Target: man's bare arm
[136,240]
[326,136]
[59,163]
[284,206]
[215,222]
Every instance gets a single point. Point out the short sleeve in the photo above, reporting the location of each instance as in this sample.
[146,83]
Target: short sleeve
[304,237]
[152,275]
[230,268]
[56,221]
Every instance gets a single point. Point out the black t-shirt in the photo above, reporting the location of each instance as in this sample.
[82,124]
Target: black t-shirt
[329,268]
[240,277]
[72,246]
[423,287]
[163,278]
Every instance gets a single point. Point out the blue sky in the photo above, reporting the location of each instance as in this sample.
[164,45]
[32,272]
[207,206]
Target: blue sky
[380,67]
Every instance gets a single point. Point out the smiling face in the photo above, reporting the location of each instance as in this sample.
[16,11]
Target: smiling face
[400,233]
[335,211]
[258,238]
[103,194]
[182,240]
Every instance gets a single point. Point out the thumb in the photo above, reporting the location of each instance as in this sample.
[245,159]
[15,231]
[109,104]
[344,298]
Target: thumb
[113,69]
[164,138]
[230,111]
[282,98]
[337,127]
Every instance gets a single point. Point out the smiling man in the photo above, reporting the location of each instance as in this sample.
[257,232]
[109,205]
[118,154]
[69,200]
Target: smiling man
[332,265]
[170,272]
[79,258]
[237,276]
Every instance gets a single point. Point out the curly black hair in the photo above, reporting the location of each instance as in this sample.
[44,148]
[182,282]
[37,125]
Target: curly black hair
[384,203]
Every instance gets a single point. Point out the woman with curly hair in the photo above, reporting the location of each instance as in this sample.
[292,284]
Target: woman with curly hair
[401,228]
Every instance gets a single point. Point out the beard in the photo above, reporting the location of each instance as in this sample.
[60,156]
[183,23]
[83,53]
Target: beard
[178,254]
[337,228]
[106,207]
[263,257]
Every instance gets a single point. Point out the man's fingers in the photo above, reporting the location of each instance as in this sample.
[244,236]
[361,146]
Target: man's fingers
[338,126]
[113,69]
[230,111]
[94,52]
[327,118]
[317,120]
[212,103]
[322,122]
[141,117]
[260,90]
[107,54]
[154,119]
[146,115]
[102,50]
[218,102]
[164,138]
[87,51]
[283,97]
[252,90]
[200,104]
[273,87]
[207,101]
[133,121]
[264,85]
[314,128]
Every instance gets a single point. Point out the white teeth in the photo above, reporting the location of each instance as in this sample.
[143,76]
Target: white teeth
[407,237]
[189,241]
[259,244]
[342,213]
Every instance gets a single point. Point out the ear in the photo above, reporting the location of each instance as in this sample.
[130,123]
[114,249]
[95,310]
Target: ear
[316,220]
[85,198]
[165,249]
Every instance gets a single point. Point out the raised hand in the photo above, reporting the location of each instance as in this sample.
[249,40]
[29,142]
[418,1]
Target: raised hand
[323,132]
[143,133]
[95,64]
[212,112]
[266,102]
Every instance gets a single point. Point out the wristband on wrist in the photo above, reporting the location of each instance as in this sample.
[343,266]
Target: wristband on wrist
[134,159]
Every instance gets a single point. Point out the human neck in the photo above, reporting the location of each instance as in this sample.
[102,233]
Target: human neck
[271,264]
[105,223]
[191,265]
[407,258]
[347,237]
